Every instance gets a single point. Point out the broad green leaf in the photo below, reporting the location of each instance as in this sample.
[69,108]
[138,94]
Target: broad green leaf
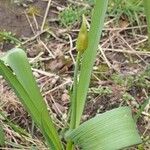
[2,137]
[20,91]
[22,81]
[111,130]
[17,60]
[89,55]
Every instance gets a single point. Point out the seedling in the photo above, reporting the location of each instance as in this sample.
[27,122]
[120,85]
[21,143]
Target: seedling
[68,16]
[8,36]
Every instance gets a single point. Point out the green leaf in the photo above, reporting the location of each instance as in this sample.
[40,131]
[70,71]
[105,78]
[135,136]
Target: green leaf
[46,129]
[2,136]
[15,127]
[22,81]
[20,91]
[141,109]
[17,60]
[111,130]
[89,55]
[147,13]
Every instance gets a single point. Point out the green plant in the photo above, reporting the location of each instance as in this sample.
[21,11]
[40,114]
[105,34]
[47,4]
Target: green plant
[127,97]
[2,136]
[115,129]
[90,1]
[101,90]
[130,9]
[26,89]
[70,15]
[120,79]
[8,36]
[139,81]
[147,13]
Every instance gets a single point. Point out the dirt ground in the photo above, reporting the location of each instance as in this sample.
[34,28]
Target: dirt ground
[122,70]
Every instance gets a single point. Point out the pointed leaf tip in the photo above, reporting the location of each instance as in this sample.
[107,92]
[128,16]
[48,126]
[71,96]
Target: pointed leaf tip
[82,40]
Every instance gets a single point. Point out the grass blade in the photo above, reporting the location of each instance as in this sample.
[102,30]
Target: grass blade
[19,90]
[2,136]
[141,109]
[111,130]
[147,13]
[89,55]
[26,89]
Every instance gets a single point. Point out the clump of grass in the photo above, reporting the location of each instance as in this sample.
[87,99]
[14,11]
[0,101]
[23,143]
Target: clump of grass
[120,79]
[103,91]
[10,37]
[147,13]
[139,81]
[127,97]
[70,15]
[131,9]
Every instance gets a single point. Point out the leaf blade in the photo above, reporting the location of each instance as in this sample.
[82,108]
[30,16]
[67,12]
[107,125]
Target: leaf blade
[26,89]
[89,55]
[111,130]
[2,136]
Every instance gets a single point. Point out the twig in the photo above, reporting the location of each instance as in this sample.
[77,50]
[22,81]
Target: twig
[35,36]
[36,58]
[128,51]
[51,54]
[132,49]
[36,23]
[57,87]
[46,13]
[104,56]
[44,73]
[71,47]
[31,26]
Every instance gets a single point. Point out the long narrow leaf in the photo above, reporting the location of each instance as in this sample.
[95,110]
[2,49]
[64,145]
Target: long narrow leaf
[23,96]
[112,130]
[17,60]
[26,89]
[89,55]
[2,136]
[19,90]
[147,13]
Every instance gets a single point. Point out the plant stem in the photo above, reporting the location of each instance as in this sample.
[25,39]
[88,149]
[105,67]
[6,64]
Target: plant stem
[147,13]
[74,99]
[74,94]
[70,145]
[94,34]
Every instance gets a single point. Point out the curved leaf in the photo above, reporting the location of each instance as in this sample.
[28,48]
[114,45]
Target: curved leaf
[111,130]
[22,81]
